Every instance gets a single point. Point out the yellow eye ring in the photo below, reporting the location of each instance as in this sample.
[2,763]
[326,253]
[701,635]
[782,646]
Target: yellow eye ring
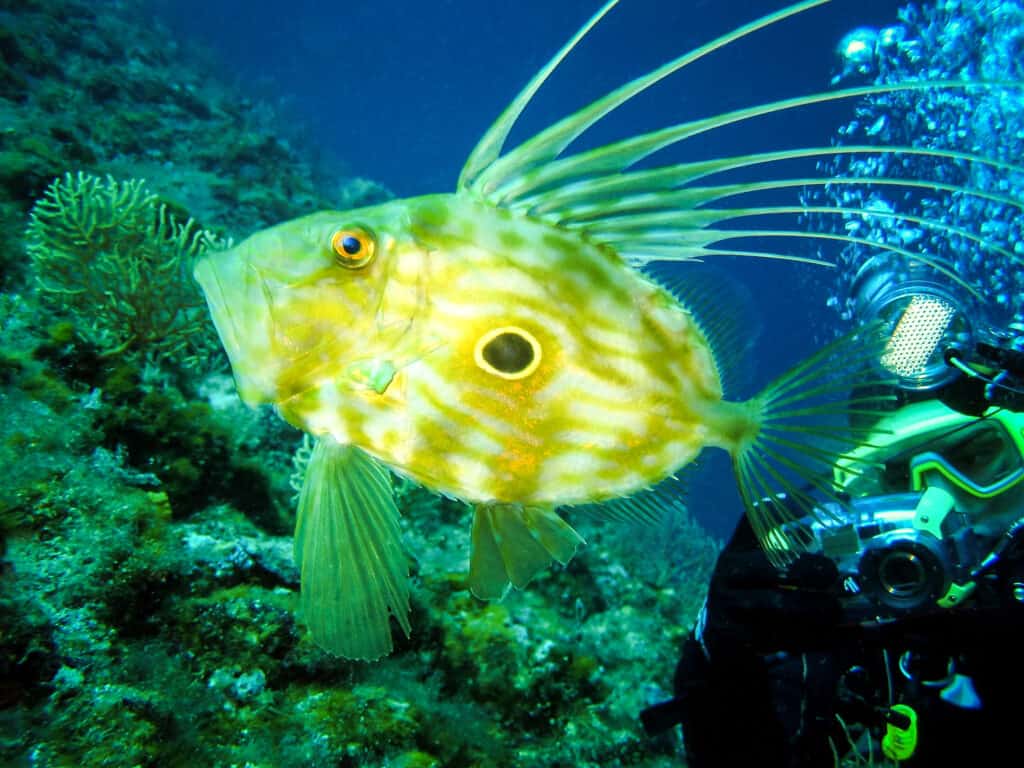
[353,247]
[509,352]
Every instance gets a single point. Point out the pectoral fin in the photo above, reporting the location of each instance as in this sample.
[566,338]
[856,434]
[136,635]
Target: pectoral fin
[349,551]
[511,543]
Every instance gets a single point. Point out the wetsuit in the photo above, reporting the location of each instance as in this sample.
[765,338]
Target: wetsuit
[775,660]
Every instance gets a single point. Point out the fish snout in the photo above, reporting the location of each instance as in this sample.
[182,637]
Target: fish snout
[240,306]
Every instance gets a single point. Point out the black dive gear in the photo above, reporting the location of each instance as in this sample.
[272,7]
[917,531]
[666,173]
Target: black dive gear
[903,623]
[776,665]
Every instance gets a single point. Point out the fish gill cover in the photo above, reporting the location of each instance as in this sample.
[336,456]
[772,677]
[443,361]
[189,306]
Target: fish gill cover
[148,591]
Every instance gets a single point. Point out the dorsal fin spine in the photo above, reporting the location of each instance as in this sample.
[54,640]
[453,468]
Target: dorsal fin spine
[492,173]
[488,149]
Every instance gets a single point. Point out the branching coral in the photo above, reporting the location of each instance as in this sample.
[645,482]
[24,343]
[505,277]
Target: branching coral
[116,261]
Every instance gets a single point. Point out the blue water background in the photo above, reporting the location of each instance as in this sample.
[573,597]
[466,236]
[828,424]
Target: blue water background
[399,92]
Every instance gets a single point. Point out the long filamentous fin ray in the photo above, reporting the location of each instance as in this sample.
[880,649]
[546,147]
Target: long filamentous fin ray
[922,221]
[664,224]
[625,224]
[486,170]
[489,148]
[647,254]
[654,227]
[674,218]
[676,209]
[637,245]
[588,197]
[639,252]
[692,200]
[617,156]
[629,225]
[533,178]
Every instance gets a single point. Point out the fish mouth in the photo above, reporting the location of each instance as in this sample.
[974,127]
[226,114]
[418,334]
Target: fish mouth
[239,302]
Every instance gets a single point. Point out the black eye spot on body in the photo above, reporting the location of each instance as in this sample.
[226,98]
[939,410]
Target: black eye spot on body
[509,352]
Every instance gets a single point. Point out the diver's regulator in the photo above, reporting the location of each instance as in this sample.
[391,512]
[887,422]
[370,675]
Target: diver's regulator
[935,495]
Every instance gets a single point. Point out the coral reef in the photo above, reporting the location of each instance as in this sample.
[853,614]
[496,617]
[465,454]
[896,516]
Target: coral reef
[147,589]
[114,260]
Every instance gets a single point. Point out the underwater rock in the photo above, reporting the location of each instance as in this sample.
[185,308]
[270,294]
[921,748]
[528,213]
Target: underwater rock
[231,549]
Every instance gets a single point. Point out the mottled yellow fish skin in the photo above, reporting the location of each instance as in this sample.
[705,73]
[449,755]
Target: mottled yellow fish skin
[500,345]
[621,389]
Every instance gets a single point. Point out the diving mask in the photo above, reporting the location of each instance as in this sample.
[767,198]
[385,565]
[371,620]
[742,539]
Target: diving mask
[930,498]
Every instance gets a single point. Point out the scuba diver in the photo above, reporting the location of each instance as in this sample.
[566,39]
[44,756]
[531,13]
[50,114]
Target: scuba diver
[897,637]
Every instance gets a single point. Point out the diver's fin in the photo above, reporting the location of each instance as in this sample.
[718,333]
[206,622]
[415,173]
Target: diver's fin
[511,543]
[809,416]
[349,551]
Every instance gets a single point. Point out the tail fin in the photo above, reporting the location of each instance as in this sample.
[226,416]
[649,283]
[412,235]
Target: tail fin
[810,415]
[348,546]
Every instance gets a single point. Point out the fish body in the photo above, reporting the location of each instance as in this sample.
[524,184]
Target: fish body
[503,344]
[609,395]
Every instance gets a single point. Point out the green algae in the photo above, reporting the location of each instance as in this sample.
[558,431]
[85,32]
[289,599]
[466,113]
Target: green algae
[240,627]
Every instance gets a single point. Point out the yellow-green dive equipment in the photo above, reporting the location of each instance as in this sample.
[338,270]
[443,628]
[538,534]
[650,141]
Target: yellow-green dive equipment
[935,492]
[900,738]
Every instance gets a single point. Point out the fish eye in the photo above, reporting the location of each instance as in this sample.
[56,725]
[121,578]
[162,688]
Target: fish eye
[353,247]
[508,352]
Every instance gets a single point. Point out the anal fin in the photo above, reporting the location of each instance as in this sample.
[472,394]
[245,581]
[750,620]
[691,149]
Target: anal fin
[348,547]
[645,507]
[512,543]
